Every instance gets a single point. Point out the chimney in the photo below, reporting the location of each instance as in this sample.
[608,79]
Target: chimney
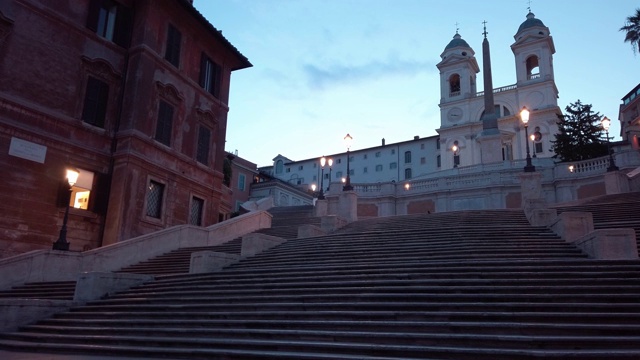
[382,141]
[416,137]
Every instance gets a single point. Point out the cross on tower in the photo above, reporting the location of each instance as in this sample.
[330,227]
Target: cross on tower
[457,28]
[485,29]
[529,5]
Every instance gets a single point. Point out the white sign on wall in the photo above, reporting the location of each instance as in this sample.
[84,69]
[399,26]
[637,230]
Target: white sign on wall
[27,150]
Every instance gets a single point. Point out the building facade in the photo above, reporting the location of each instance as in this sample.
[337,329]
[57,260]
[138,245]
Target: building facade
[629,117]
[131,93]
[243,173]
[462,108]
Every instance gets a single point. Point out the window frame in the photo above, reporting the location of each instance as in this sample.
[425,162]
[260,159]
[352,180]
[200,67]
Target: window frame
[164,123]
[173,45]
[96,102]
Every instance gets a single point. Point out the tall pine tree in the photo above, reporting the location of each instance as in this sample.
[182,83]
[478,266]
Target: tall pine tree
[580,135]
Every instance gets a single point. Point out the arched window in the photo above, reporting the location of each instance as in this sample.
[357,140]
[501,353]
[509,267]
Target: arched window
[454,85]
[279,167]
[407,173]
[533,69]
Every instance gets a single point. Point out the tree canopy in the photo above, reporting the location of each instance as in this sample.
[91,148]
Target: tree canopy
[632,29]
[580,135]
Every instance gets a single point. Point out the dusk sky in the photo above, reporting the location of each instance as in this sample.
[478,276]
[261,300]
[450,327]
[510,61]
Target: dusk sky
[325,68]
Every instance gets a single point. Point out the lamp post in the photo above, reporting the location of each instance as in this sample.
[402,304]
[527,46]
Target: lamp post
[533,141]
[605,125]
[347,186]
[330,161]
[524,115]
[454,148]
[323,162]
[62,243]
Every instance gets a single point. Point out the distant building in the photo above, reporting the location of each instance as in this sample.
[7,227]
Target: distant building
[133,94]
[630,117]
[243,174]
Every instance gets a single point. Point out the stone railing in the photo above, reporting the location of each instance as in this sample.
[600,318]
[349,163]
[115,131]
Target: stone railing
[498,90]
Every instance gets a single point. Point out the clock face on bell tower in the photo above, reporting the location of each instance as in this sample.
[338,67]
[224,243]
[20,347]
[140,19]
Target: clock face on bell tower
[455,114]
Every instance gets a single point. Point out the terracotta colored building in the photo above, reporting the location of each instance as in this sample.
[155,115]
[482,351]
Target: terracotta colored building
[243,175]
[131,93]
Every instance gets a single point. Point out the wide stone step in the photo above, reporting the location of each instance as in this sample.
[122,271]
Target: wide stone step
[443,327]
[501,347]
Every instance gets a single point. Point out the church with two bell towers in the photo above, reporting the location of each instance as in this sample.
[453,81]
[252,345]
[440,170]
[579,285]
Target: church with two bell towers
[469,135]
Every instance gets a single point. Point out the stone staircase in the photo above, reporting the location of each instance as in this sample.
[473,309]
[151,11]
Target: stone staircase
[462,285]
[611,211]
[285,224]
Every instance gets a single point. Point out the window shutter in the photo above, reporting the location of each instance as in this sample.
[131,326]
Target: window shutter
[92,16]
[217,80]
[203,70]
[123,26]
[100,193]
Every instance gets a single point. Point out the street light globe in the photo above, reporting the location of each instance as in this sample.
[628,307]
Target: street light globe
[323,161]
[347,141]
[330,162]
[344,180]
[313,187]
[454,148]
[524,115]
[606,123]
[407,186]
[532,137]
[72,176]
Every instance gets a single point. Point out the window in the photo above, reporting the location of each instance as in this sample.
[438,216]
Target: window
[172,53]
[437,143]
[393,151]
[155,194]
[377,153]
[300,167]
[288,170]
[204,139]
[454,85]
[95,102]
[393,165]
[315,165]
[538,147]
[165,123]
[456,160]
[533,70]
[339,161]
[378,168]
[407,157]
[422,146]
[210,76]
[351,172]
[241,181]
[81,190]
[438,161]
[326,176]
[279,167]
[423,160]
[110,20]
[315,177]
[365,170]
[407,173]
[195,212]
[365,156]
[338,174]
[351,158]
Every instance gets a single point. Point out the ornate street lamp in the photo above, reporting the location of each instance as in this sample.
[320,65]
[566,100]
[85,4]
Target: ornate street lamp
[330,161]
[323,162]
[524,115]
[61,243]
[347,186]
[533,142]
[455,148]
[605,125]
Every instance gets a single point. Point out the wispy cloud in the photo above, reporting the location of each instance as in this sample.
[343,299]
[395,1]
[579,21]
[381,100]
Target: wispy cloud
[336,74]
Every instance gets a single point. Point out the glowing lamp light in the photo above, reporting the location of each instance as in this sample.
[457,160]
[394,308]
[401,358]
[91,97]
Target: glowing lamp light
[72,176]
[606,123]
[330,162]
[313,187]
[571,168]
[323,161]
[407,186]
[524,115]
[344,180]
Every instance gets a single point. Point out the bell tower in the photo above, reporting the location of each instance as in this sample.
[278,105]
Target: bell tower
[458,69]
